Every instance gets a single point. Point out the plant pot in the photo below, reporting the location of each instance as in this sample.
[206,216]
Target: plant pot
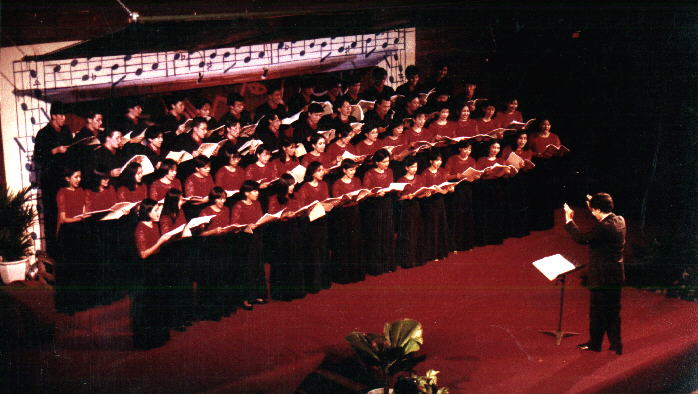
[379,391]
[11,271]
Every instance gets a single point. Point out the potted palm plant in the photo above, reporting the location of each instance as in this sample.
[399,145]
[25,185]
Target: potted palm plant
[390,353]
[16,243]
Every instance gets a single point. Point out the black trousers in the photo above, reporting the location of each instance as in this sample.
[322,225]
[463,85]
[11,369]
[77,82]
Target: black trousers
[604,317]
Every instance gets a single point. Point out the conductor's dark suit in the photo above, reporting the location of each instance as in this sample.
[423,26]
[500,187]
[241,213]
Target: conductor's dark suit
[605,277]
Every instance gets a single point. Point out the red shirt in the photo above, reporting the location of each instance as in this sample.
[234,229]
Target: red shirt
[159,189]
[339,187]
[414,184]
[246,214]
[97,201]
[282,168]
[362,148]
[485,127]
[400,143]
[72,202]
[323,158]
[485,162]
[146,236]
[167,225]
[335,150]
[524,154]
[412,136]
[456,165]
[504,119]
[430,178]
[274,205]
[538,143]
[308,193]
[446,130]
[221,218]
[230,180]
[258,173]
[373,178]
[196,186]
[123,194]
[469,128]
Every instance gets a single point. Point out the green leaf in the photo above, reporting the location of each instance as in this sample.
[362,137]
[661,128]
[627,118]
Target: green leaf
[401,332]
[362,344]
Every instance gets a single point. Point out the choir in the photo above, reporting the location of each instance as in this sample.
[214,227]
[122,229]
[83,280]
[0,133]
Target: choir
[413,180]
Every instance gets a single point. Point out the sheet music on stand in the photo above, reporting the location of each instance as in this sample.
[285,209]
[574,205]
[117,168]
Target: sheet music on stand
[553,266]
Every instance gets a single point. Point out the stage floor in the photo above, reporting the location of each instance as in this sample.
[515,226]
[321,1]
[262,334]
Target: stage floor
[481,311]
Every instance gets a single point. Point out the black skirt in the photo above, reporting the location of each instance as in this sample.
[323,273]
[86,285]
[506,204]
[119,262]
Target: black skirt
[378,232]
[490,211]
[346,263]
[283,246]
[517,197]
[461,220]
[435,240]
[150,320]
[316,276]
[252,281]
[410,234]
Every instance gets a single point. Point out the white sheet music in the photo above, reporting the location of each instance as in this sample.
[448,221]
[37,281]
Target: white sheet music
[553,266]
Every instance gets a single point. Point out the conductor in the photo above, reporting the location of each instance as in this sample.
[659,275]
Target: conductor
[604,275]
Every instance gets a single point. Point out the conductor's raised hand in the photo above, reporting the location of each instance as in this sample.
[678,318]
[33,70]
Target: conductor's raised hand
[569,213]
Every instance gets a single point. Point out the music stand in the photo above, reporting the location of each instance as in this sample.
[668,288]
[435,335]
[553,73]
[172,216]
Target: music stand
[557,267]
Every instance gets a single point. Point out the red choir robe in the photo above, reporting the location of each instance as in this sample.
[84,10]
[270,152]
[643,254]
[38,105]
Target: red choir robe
[196,186]
[504,119]
[146,236]
[309,193]
[259,173]
[220,219]
[159,189]
[526,154]
[292,204]
[399,142]
[339,188]
[446,130]
[246,214]
[429,178]
[72,202]
[484,127]
[412,136]
[323,158]
[123,194]
[284,167]
[456,165]
[413,184]
[97,201]
[373,178]
[468,128]
[230,180]
[362,148]
[167,224]
[538,143]
[334,150]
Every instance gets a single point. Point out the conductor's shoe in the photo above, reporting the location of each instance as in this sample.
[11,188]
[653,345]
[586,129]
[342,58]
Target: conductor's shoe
[616,348]
[587,346]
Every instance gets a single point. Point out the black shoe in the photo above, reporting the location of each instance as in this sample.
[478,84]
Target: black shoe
[616,348]
[247,306]
[587,346]
[260,301]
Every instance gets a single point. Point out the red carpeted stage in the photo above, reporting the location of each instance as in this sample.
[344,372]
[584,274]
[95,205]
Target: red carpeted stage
[481,311]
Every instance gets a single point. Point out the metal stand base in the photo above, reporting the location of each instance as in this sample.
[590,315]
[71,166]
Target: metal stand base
[558,334]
